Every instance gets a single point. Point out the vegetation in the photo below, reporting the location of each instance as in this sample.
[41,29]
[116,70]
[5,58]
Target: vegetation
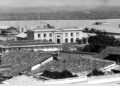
[95,72]
[115,71]
[3,78]
[58,75]
[100,41]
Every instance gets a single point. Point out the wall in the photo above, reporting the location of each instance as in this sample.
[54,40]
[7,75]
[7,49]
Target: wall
[30,35]
[62,35]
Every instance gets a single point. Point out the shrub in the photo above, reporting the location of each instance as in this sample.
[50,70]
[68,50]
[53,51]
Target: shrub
[96,72]
[115,71]
[3,78]
[58,75]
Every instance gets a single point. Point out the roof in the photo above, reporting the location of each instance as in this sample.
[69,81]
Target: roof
[4,27]
[107,51]
[22,35]
[19,61]
[25,43]
[59,29]
[69,44]
[74,63]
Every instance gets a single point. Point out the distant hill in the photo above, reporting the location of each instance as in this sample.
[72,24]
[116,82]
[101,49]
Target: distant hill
[54,13]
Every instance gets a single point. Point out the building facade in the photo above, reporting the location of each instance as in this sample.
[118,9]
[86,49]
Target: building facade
[61,35]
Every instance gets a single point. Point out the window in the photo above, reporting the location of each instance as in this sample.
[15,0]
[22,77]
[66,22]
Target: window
[66,34]
[71,34]
[58,41]
[84,40]
[58,34]
[44,35]
[71,40]
[66,40]
[77,39]
[77,33]
[38,35]
[50,40]
[50,34]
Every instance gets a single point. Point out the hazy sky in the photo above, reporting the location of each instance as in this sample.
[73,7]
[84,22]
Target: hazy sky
[25,3]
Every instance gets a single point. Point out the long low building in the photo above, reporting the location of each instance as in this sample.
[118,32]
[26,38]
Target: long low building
[32,45]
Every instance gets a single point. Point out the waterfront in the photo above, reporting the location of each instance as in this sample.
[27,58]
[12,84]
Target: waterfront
[59,23]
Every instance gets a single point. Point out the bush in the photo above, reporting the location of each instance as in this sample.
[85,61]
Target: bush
[58,75]
[96,72]
[100,41]
[3,78]
[115,71]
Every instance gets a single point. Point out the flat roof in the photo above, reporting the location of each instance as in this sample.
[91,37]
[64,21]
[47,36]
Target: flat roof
[26,43]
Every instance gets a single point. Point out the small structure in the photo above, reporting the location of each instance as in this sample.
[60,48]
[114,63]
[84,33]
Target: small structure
[31,45]
[8,33]
[21,36]
[110,53]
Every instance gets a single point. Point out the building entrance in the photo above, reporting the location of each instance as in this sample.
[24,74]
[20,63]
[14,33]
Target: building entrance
[58,41]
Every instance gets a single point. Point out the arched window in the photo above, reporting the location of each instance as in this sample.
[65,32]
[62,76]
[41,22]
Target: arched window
[50,40]
[66,34]
[58,41]
[77,39]
[71,40]
[84,40]
[50,34]
[66,40]
[44,34]
[72,34]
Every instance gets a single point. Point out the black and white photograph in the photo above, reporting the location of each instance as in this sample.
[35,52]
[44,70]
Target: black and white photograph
[60,42]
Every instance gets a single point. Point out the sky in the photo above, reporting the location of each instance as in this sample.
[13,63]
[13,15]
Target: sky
[29,3]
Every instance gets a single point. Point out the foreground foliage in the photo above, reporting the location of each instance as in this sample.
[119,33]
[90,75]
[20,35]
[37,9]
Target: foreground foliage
[95,72]
[58,75]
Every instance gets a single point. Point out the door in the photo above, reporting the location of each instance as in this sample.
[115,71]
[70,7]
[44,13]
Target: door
[58,41]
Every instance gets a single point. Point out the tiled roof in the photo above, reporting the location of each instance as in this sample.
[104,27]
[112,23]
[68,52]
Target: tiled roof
[19,61]
[25,42]
[74,63]
[107,51]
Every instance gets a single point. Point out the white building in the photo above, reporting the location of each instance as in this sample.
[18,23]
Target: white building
[61,35]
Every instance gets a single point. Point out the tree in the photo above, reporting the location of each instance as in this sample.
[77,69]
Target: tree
[58,75]
[95,72]
[100,41]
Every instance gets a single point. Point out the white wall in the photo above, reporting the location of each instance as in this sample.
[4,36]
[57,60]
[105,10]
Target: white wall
[62,37]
